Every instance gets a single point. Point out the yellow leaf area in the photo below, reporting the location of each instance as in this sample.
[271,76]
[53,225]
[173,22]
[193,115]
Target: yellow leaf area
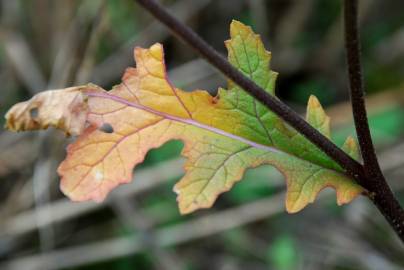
[223,135]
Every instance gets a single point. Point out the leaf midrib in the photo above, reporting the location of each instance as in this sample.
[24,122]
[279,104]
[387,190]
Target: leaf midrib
[194,123]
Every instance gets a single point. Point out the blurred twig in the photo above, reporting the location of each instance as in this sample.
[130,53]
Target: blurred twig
[114,65]
[65,59]
[328,51]
[289,59]
[259,16]
[137,221]
[17,49]
[44,173]
[88,61]
[391,49]
[174,235]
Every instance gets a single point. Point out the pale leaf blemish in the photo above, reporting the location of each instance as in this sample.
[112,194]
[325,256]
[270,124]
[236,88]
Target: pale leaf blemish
[99,176]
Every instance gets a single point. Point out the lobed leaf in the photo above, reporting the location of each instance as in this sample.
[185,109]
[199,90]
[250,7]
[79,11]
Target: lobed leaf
[223,135]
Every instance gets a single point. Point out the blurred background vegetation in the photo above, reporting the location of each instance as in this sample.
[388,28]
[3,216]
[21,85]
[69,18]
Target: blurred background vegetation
[47,44]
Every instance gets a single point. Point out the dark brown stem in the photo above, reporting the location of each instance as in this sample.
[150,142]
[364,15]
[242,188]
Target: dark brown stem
[382,197]
[380,192]
[352,44]
[351,166]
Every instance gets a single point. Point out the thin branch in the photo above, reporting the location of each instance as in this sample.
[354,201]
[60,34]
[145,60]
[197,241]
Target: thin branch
[352,167]
[352,44]
[381,194]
